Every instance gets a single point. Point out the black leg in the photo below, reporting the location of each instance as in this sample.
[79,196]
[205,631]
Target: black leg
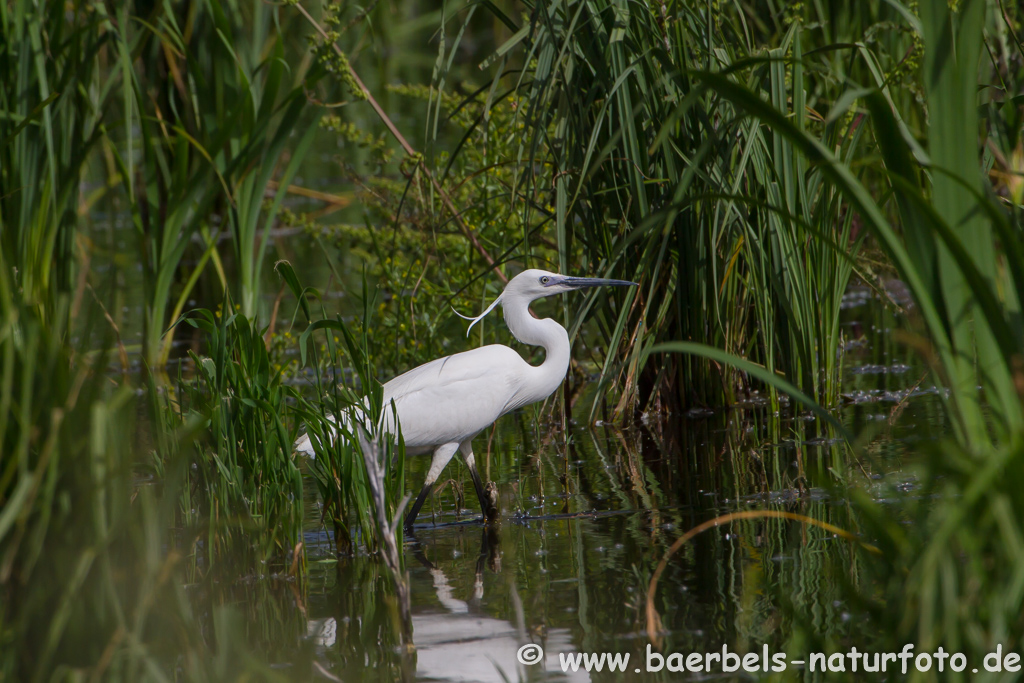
[411,517]
[488,505]
[417,549]
[490,550]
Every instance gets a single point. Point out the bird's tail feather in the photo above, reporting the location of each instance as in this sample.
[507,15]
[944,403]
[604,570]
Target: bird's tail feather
[353,415]
[304,444]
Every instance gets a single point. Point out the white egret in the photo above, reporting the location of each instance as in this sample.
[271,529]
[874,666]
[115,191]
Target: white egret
[443,404]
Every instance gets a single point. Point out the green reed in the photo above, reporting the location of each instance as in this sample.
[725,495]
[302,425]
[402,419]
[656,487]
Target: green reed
[186,111]
[209,145]
[955,566]
[972,337]
[737,241]
[731,235]
[245,487]
[730,181]
[53,101]
[949,573]
[90,574]
[345,442]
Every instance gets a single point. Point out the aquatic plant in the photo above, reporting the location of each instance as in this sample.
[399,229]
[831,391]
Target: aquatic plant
[959,252]
[735,163]
[737,241]
[954,576]
[210,144]
[53,102]
[90,571]
[435,232]
[245,487]
[360,481]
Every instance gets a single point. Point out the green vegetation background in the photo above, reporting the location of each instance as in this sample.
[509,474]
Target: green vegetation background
[740,161]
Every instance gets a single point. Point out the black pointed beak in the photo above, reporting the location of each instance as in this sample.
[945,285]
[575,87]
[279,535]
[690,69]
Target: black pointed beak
[584,282]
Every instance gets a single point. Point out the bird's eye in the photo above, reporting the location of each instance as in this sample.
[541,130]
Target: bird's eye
[544,280]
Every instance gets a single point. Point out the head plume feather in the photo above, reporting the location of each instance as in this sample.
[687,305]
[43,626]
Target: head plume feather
[479,317]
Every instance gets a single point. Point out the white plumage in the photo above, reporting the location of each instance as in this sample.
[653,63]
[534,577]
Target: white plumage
[443,404]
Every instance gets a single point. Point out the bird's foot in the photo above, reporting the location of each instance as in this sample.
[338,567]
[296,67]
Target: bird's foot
[491,511]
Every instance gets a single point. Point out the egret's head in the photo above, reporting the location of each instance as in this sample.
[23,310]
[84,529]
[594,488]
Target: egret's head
[534,284]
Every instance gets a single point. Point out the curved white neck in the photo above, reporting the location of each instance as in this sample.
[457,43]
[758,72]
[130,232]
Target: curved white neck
[547,334]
